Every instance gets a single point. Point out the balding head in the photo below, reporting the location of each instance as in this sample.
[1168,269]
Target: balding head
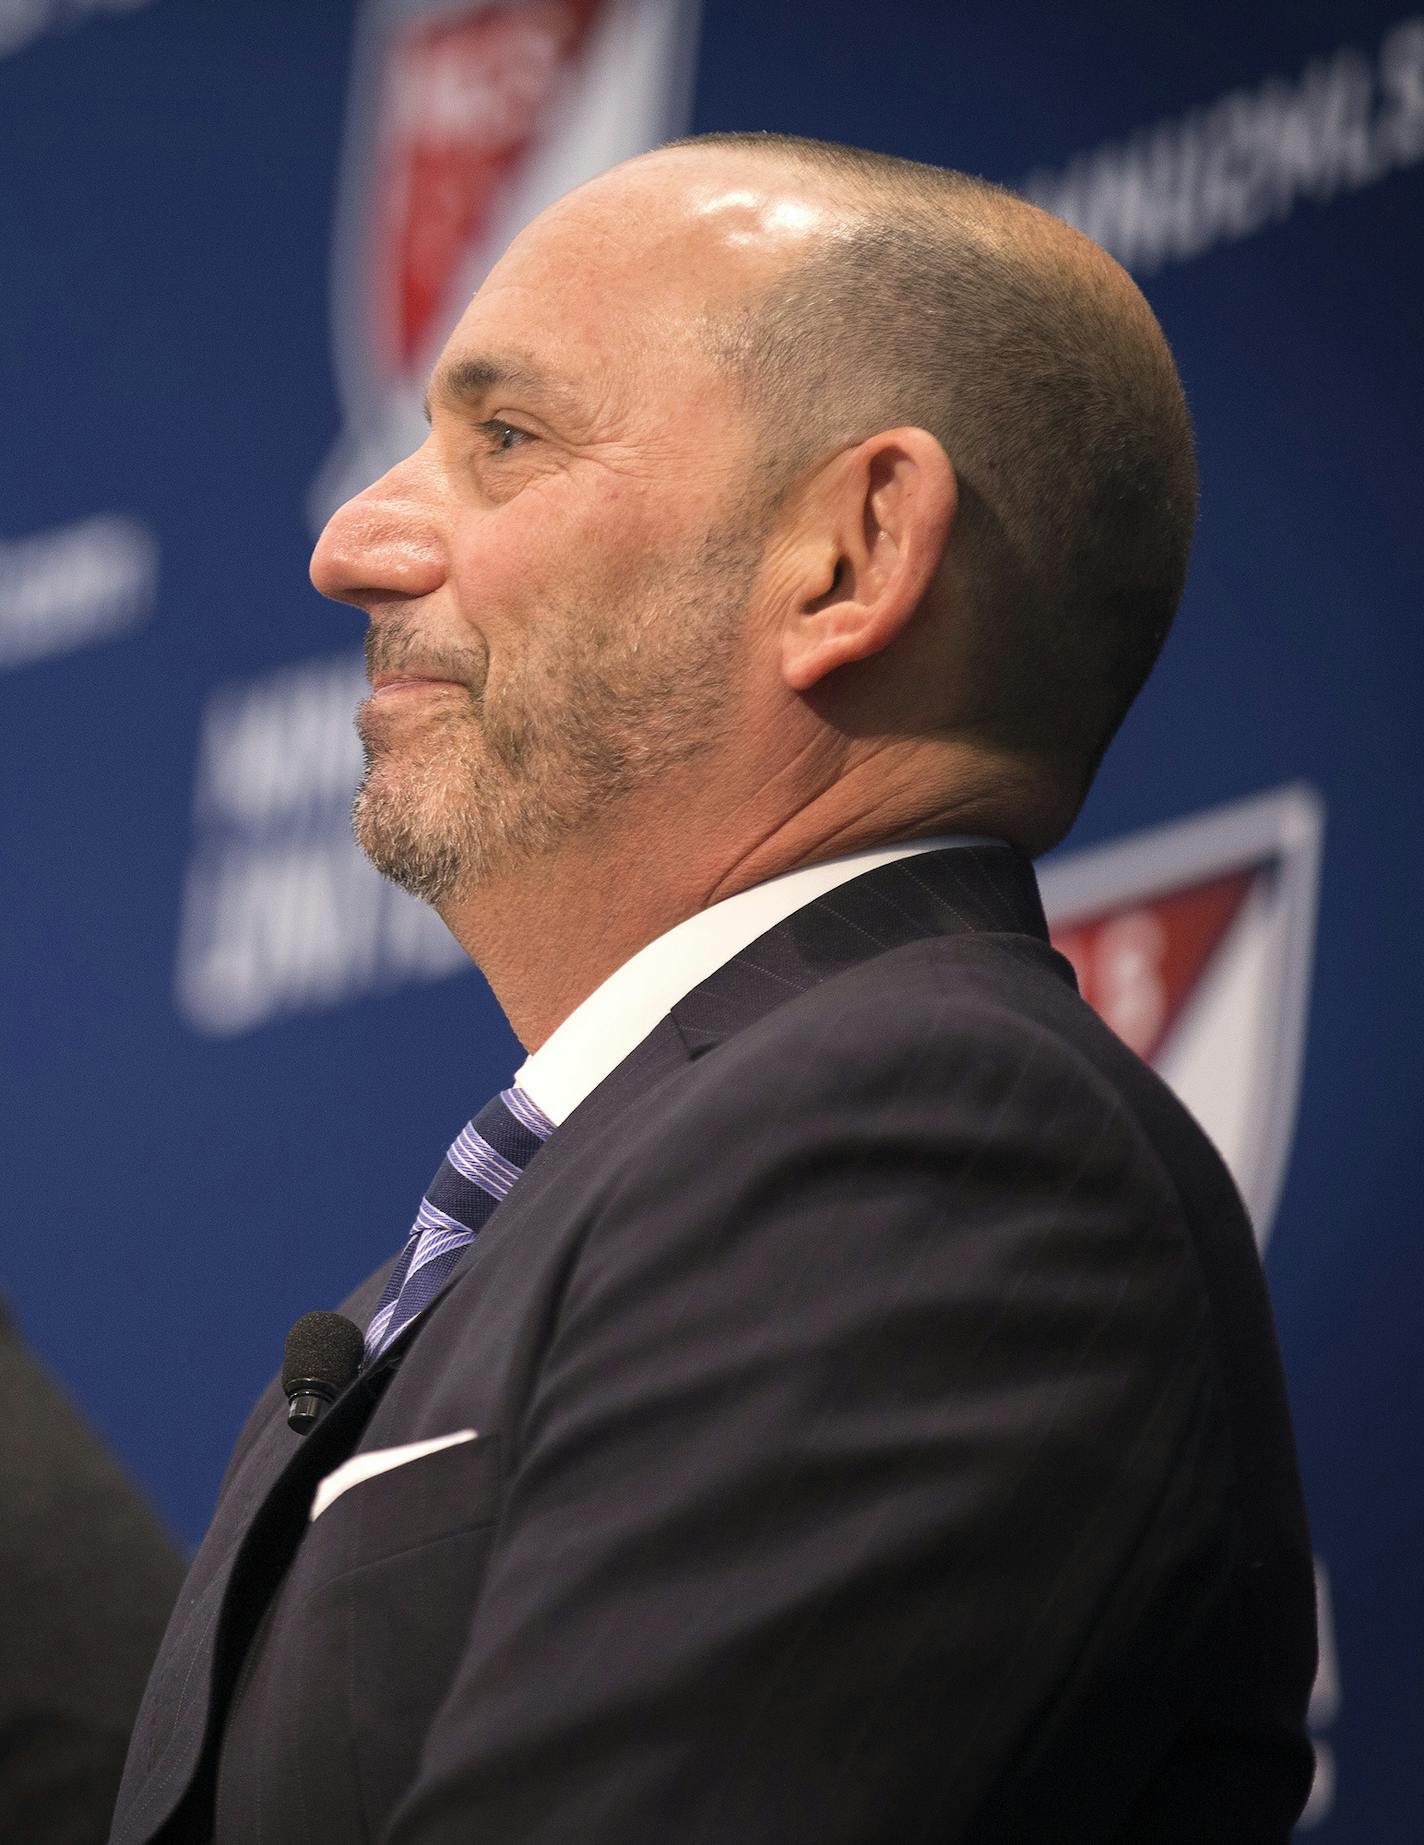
[923,296]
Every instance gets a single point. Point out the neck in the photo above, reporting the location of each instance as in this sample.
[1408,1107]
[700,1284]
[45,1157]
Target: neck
[550,930]
[547,931]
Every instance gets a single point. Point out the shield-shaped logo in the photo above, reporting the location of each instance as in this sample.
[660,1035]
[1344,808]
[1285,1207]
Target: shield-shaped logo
[464,121]
[466,95]
[1194,941]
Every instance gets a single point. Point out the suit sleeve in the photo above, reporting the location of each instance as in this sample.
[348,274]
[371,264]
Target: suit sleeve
[879,1407]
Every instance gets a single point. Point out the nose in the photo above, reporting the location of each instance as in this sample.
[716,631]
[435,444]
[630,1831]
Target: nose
[386,542]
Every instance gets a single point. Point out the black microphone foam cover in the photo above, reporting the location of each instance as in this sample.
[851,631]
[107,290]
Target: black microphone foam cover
[322,1356]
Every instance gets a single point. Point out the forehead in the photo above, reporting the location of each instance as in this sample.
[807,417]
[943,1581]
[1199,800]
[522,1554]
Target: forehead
[620,277]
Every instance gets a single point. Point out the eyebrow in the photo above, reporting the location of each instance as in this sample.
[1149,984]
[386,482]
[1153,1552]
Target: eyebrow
[463,380]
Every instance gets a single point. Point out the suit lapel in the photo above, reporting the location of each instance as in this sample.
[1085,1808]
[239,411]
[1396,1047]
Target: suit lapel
[261,1516]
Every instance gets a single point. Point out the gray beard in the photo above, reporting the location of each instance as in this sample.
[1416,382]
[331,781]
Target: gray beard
[585,721]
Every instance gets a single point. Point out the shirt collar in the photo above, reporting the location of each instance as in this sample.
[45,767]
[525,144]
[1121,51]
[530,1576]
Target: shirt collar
[615,1018]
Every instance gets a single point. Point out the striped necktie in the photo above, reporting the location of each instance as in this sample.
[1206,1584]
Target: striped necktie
[480,1169]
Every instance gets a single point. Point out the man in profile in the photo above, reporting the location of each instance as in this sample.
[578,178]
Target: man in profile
[830,1395]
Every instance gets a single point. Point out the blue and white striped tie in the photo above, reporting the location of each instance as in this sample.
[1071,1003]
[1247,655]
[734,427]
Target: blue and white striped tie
[479,1170]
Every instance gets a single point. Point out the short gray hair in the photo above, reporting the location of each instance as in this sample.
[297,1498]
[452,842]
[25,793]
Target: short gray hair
[947,304]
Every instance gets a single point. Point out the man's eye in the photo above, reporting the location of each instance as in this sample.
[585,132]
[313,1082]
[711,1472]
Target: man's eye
[502,437]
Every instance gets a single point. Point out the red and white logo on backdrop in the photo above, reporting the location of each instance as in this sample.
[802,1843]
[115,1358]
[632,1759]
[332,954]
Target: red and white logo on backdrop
[463,122]
[1194,942]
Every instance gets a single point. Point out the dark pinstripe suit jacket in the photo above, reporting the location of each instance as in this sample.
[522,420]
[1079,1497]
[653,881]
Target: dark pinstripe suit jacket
[881,1438]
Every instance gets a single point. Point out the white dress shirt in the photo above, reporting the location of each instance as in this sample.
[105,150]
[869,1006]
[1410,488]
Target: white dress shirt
[598,1034]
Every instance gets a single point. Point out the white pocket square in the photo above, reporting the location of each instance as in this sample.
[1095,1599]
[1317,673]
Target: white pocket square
[379,1460]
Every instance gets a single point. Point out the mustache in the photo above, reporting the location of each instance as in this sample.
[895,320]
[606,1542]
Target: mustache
[396,646]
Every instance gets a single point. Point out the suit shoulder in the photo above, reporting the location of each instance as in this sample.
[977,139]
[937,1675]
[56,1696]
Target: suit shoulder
[970,1017]
[939,996]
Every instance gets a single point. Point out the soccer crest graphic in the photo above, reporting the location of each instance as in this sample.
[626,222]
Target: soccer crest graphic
[462,123]
[1194,942]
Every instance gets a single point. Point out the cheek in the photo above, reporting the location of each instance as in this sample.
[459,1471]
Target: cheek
[554,547]
[498,576]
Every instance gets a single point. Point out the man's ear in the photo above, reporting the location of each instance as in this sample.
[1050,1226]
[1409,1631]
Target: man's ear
[876,522]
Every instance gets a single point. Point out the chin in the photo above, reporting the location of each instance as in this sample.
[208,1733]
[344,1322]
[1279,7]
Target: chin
[400,826]
[423,867]
[435,830]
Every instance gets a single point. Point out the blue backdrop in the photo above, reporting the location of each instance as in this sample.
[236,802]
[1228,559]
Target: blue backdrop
[233,1058]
